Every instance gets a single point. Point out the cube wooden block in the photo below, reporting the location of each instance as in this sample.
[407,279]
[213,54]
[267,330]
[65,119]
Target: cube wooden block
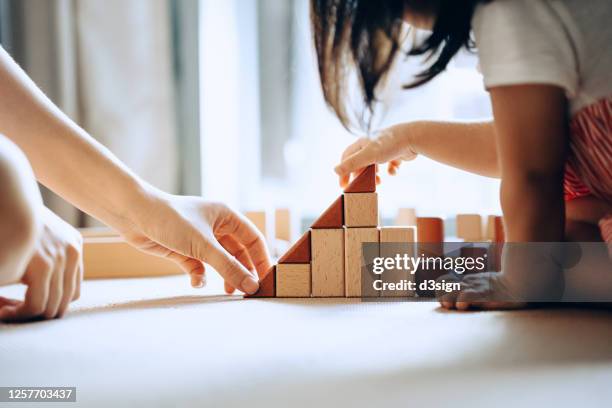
[490,228]
[108,257]
[394,241]
[293,280]
[361,209]
[282,224]
[259,219]
[327,247]
[469,227]
[406,217]
[354,265]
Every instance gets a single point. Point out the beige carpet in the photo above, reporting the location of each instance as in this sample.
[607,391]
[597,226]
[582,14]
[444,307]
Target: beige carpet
[156,342]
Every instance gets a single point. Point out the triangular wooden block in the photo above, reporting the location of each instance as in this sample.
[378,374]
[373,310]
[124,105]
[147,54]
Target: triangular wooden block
[365,182]
[333,217]
[299,253]
[266,285]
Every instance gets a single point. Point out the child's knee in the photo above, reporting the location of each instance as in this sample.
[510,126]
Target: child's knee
[19,203]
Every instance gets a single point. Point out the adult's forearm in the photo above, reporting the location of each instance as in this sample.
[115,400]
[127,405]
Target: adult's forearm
[64,157]
[466,146]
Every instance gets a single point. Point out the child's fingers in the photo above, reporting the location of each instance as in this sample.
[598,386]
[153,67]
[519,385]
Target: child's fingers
[355,162]
[355,147]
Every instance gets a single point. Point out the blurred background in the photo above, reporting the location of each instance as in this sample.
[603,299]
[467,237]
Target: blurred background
[222,99]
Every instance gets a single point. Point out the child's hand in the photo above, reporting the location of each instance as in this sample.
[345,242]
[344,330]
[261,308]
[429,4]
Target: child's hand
[191,231]
[388,147]
[53,275]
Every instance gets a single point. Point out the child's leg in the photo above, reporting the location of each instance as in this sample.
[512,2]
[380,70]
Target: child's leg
[586,219]
[19,203]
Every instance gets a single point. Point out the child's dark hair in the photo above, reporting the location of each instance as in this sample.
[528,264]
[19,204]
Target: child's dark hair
[366,35]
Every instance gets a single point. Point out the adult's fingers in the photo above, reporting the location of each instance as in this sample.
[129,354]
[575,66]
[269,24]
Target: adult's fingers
[71,273]
[244,233]
[37,278]
[239,252]
[56,287]
[79,280]
[193,267]
[230,269]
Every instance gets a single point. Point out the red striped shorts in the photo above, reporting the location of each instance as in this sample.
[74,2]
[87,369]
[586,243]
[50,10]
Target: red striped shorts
[589,165]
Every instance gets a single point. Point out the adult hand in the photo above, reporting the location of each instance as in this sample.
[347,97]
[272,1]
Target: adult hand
[192,232]
[53,275]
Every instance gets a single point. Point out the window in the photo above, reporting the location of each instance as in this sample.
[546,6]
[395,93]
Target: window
[267,131]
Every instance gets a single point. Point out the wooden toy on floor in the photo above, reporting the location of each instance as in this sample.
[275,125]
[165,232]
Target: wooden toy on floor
[328,260]
[107,256]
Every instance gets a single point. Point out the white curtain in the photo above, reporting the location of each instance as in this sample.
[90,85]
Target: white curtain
[109,65]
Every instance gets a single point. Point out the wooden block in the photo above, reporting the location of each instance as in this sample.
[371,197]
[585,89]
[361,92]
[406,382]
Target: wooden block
[94,232]
[267,284]
[361,209]
[108,257]
[299,253]
[394,241]
[365,182]
[259,219]
[354,265]
[282,224]
[327,262]
[469,227]
[500,235]
[430,230]
[293,280]
[430,237]
[490,228]
[406,217]
[333,217]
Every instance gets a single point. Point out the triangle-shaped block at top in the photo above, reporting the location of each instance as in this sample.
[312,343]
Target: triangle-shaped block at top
[267,285]
[333,217]
[299,253]
[365,182]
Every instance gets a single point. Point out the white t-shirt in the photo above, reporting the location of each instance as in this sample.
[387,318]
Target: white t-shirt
[560,42]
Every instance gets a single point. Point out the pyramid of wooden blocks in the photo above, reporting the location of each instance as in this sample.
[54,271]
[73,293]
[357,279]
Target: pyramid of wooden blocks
[328,261]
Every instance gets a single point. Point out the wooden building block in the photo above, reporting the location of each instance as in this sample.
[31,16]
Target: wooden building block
[430,230]
[110,257]
[333,217]
[327,262]
[365,182]
[406,217]
[430,237]
[490,228]
[397,241]
[259,219]
[469,227]
[267,285]
[293,280]
[282,224]
[361,209]
[498,241]
[299,253]
[354,265]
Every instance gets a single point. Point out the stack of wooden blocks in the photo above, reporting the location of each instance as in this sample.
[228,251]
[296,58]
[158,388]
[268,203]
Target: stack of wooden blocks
[327,261]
